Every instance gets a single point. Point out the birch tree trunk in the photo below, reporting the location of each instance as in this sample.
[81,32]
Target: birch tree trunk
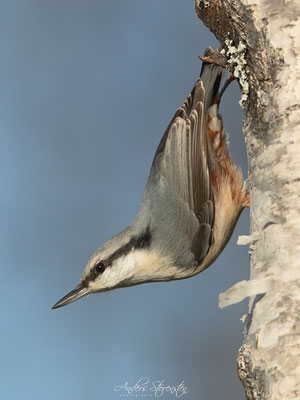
[261,39]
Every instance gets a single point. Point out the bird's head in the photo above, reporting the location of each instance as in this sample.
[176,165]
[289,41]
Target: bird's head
[127,259]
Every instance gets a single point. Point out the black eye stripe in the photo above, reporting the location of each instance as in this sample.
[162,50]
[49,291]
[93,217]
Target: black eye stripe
[136,242]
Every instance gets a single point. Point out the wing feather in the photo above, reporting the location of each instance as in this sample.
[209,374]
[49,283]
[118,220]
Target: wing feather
[183,161]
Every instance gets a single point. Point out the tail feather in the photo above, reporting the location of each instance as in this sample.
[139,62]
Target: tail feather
[211,76]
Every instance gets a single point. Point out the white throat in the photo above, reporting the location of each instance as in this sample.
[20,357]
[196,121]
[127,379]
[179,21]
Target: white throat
[143,266]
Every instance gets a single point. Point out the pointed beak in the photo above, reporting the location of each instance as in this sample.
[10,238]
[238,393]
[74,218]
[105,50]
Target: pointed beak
[76,294]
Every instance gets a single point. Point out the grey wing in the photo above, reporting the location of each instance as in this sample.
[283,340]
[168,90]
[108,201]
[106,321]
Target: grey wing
[178,199]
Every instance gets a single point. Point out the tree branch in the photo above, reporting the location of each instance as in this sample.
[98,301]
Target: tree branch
[262,44]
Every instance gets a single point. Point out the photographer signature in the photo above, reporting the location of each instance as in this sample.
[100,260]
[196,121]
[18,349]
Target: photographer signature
[154,388]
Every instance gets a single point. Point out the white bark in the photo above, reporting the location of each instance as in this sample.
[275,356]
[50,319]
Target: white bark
[269,360]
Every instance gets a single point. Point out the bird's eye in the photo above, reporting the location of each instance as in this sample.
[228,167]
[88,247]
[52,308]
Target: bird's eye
[100,267]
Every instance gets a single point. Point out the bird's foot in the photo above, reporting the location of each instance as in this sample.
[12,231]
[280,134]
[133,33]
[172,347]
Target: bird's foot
[217,57]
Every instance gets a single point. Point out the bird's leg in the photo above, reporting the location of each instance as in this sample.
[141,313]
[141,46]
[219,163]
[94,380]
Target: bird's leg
[230,78]
[246,201]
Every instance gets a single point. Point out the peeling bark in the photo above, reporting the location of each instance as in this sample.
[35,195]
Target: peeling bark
[261,39]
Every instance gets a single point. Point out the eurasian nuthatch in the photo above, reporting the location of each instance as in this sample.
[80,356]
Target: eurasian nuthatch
[191,203]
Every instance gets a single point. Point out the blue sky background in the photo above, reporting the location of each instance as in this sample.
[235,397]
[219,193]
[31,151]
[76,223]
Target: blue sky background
[87,89]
